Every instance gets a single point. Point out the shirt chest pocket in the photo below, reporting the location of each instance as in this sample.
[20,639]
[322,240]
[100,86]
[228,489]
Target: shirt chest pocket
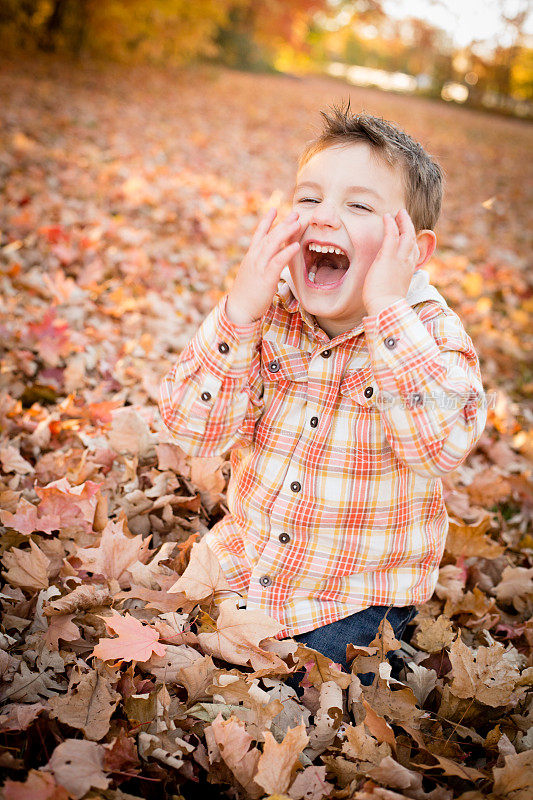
[283,362]
[359,415]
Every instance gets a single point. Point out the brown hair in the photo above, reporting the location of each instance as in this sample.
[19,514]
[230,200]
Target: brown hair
[423,177]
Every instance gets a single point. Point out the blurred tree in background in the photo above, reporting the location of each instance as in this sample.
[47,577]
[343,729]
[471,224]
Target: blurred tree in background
[286,35]
[240,33]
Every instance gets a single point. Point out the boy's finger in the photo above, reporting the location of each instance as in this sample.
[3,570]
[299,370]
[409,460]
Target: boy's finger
[390,233]
[264,225]
[405,223]
[279,236]
[281,259]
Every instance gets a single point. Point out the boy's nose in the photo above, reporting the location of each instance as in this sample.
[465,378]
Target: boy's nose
[325,214]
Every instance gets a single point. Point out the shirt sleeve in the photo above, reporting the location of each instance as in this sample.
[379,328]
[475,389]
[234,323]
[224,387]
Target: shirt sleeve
[431,396]
[211,399]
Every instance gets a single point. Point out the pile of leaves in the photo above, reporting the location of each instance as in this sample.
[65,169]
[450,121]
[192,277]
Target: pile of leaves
[126,668]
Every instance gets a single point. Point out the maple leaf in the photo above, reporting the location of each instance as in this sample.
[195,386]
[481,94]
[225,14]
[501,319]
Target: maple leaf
[27,569]
[515,778]
[68,508]
[115,553]
[51,338]
[483,673]
[277,763]
[229,740]
[311,784]
[88,704]
[470,540]
[203,575]
[237,636]
[433,635]
[61,627]
[24,520]
[135,641]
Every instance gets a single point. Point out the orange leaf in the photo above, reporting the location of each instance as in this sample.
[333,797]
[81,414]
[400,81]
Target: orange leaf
[135,641]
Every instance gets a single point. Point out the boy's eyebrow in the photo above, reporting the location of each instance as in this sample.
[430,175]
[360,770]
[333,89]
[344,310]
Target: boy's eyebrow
[314,185]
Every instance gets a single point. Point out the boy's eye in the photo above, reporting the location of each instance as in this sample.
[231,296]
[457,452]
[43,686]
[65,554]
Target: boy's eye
[360,206]
[308,200]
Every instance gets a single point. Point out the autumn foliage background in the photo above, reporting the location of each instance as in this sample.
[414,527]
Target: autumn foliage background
[129,196]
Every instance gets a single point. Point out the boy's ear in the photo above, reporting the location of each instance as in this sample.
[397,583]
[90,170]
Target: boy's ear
[427,242]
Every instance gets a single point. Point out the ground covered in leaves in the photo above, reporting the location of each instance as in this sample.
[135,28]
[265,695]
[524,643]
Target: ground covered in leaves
[128,199]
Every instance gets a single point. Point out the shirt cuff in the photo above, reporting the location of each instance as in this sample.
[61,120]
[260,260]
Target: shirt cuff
[401,348]
[237,332]
[226,350]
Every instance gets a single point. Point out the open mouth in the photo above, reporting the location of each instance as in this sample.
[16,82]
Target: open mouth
[325,266]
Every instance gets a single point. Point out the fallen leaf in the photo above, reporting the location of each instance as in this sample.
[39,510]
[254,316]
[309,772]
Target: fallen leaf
[135,641]
[88,704]
[77,765]
[203,575]
[27,568]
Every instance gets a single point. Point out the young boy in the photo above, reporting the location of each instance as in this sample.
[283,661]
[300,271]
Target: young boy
[344,388]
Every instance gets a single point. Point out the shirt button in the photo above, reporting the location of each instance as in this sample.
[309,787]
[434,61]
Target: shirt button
[369,391]
[265,580]
[284,538]
[295,486]
[325,353]
[390,342]
[206,396]
[313,422]
[274,366]
[417,399]
[223,347]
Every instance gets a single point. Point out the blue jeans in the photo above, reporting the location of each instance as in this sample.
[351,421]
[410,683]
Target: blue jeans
[358,629]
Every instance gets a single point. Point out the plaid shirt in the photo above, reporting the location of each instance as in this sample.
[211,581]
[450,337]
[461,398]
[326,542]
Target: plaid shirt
[335,497]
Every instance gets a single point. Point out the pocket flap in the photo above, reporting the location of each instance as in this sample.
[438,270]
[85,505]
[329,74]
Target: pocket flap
[355,383]
[283,361]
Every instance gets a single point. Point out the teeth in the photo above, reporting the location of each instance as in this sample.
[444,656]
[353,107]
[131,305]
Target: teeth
[312,276]
[318,248]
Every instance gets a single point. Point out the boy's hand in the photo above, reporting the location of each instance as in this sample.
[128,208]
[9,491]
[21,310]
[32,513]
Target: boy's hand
[258,275]
[389,275]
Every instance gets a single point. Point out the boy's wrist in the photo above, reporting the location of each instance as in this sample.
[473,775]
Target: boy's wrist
[236,317]
[376,305]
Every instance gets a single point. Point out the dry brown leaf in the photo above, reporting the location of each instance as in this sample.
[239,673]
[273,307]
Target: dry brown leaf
[484,673]
[88,705]
[311,784]
[233,745]
[27,568]
[115,553]
[470,540]
[361,747]
[277,763]
[238,634]
[515,779]
[203,575]
[80,599]
[516,586]
[328,719]
[61,627]
[433,635]
[77,765]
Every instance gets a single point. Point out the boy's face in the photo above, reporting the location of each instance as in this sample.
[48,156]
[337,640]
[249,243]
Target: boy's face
[341,195]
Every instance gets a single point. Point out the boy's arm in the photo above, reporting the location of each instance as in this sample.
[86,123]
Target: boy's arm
[210,399]
[433,405]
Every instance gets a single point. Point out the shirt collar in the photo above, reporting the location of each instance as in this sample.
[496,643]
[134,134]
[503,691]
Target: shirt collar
[420,289]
